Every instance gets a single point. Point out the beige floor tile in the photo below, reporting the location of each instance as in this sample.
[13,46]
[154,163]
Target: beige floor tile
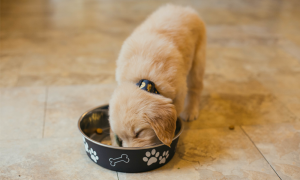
[280,144]
[292,102]
[64,79]
[8,78]
[49,158]
[228,63]
[223,154]
[240,36]
[243,63]
[9,70]
[276,70]
[22,112]
[294,38]
[217,84]
[50,70]
[282,83]
[66,104]
[291,46]
[250,61]
[79,42]
[78,65]
[277,60]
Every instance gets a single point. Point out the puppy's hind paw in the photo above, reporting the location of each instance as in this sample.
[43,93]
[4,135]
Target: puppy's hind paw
[189,114]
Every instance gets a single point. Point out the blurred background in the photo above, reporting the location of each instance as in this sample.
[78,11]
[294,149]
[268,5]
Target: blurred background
[57,60]
[63,42]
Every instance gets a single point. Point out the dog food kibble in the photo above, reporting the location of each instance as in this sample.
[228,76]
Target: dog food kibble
[107,142]
[231,127]
[99,130]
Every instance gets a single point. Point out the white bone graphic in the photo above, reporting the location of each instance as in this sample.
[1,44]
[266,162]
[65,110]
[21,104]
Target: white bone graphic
[124,158]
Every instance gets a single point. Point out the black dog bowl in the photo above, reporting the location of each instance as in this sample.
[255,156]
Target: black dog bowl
[122,159]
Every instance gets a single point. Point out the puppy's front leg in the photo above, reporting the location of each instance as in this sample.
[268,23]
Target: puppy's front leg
[195,86]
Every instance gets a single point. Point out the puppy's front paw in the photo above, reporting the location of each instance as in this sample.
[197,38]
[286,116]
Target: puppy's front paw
[189,114]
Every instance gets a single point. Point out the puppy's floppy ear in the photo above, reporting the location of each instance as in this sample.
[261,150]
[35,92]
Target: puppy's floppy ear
[162,118]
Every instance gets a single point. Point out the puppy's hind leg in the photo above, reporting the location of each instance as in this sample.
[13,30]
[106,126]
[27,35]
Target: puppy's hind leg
[195,85]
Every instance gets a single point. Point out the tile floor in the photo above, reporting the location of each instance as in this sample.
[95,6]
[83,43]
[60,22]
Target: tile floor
[57,60]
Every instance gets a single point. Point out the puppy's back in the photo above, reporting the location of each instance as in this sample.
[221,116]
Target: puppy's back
[171,19]
[161,49]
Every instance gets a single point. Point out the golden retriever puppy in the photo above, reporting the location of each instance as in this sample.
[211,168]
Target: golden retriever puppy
[167,49]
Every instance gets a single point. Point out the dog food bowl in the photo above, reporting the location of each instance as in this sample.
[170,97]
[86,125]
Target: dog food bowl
[122,159]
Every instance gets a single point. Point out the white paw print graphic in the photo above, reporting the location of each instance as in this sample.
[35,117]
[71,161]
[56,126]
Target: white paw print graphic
[94,155]
[162,159]
[153,159]
[86,146]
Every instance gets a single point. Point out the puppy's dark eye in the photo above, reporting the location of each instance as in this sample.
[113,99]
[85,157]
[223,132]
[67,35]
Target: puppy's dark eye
[138,133]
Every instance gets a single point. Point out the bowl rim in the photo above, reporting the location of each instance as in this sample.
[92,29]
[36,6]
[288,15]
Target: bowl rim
[122,148]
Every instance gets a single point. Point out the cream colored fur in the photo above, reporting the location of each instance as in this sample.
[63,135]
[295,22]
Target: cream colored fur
[168,48]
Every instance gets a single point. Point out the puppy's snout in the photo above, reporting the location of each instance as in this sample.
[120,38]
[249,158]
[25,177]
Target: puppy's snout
[129,144]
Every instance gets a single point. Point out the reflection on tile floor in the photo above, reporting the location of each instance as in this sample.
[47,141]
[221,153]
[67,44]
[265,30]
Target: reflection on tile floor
[22,112]
[57,60]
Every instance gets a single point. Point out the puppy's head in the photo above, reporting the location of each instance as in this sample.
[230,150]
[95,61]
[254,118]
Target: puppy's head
[139,118]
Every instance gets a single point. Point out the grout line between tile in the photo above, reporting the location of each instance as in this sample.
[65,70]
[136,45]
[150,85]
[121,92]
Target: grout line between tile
[45,109]
[118,175]
[260,152]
